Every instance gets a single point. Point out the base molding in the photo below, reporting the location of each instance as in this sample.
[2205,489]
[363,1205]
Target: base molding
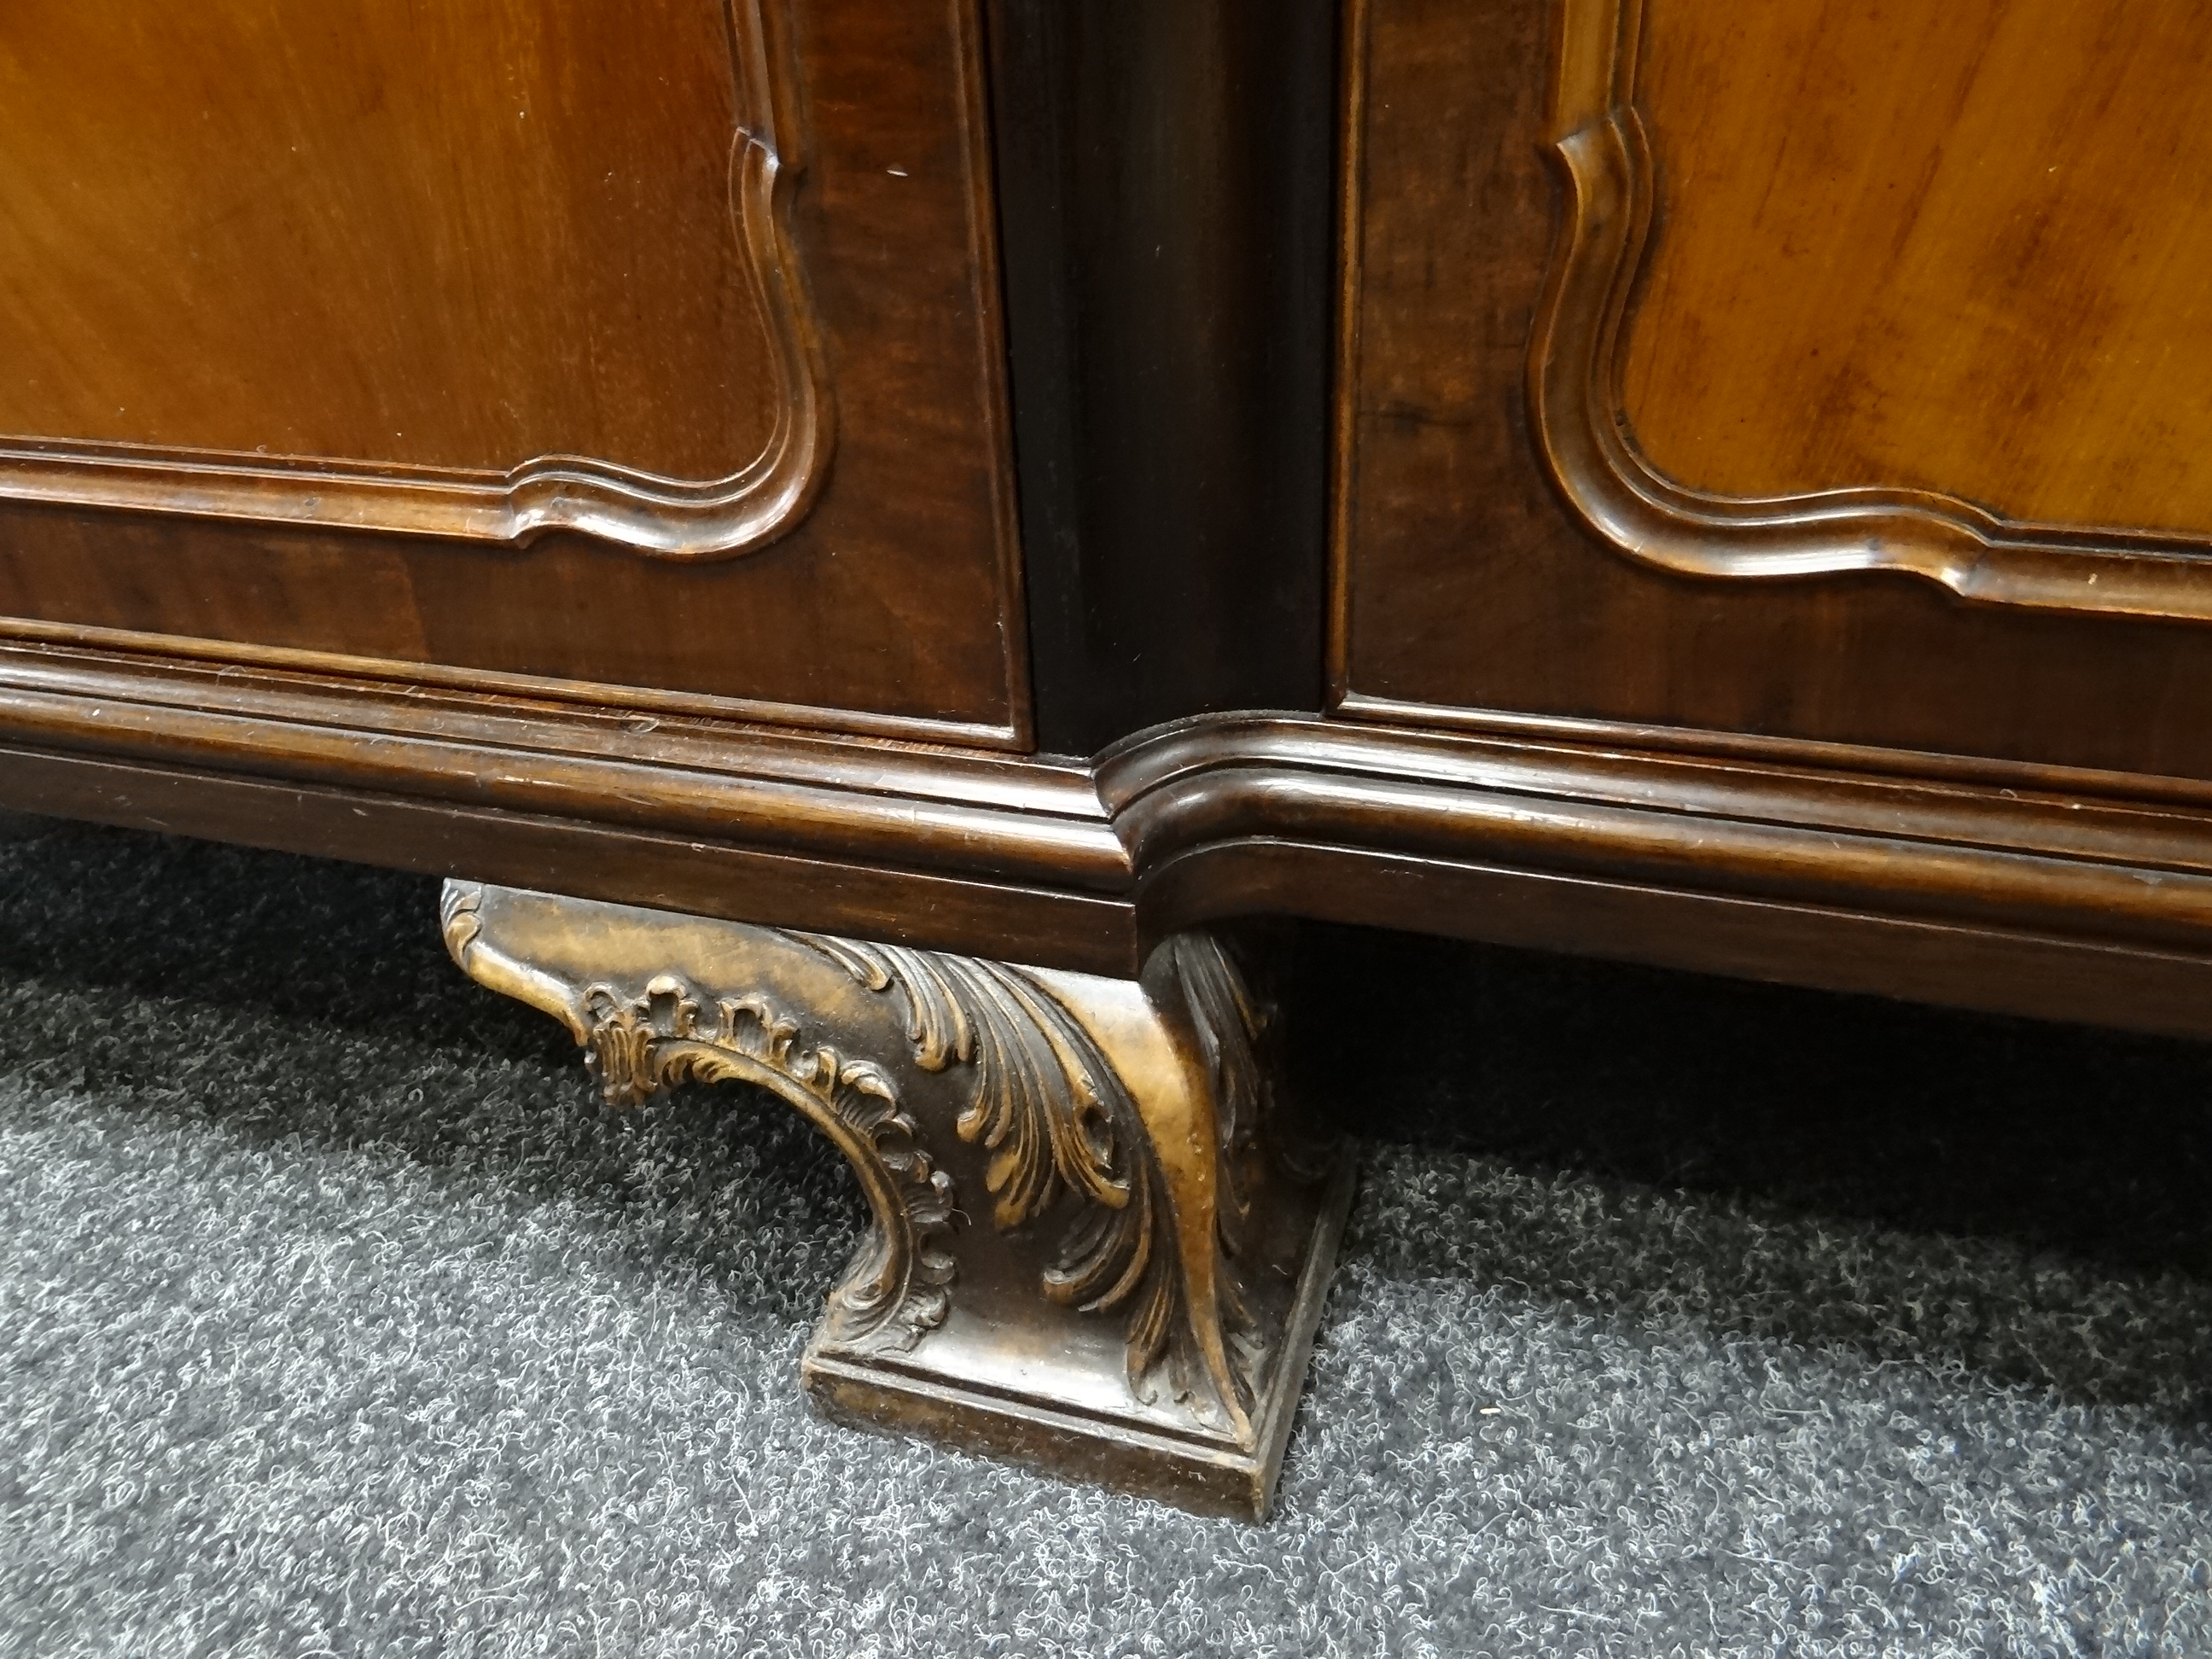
[1099,1245]
[2028,889]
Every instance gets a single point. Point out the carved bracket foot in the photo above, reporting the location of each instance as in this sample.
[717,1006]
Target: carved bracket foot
[1097,1249]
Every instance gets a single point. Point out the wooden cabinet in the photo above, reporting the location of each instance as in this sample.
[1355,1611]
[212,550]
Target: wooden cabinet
[878,543]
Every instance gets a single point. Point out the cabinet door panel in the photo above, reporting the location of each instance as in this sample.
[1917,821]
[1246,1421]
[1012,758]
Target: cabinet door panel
[651,347]
[1828,374]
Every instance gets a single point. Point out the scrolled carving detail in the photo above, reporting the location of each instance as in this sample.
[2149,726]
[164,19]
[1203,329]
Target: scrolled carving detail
[639,1045]
[1226,1019]
[460,918]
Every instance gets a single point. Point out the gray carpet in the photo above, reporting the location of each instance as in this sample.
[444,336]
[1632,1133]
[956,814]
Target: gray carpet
[1676,1318]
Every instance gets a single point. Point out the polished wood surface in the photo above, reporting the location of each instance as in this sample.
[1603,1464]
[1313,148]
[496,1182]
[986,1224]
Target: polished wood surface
[2028,889]
[1716,772]
[883,579]
[1477,574]
[1769,527]
[1165,180]
[1602,285]
[383,231]
[1957,249]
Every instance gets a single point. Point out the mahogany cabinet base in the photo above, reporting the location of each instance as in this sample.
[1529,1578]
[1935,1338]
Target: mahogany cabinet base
[1098,1243]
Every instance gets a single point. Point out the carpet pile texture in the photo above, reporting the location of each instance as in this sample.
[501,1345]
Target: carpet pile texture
[336,1317]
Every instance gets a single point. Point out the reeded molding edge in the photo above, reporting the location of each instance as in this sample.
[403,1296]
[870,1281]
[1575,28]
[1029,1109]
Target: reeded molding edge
[402,676]
[983,813]
[658,517]
[1989,854]
[1574,401]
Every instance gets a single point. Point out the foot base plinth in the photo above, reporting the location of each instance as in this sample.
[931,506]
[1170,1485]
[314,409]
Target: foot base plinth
[980,1398]
[1097,1247]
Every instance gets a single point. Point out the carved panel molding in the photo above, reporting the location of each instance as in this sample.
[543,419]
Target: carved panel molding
[666,517]
[1575,395]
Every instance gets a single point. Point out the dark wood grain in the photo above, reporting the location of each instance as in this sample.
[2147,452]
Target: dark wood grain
[896,803]
[714,878]
[1465,582]
[1853,779]
[1165,186]
[1993,970]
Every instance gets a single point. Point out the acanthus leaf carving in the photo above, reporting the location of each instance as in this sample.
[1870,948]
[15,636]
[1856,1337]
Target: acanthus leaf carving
[1099,1112]
[1226,1019]
[1055,1118]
